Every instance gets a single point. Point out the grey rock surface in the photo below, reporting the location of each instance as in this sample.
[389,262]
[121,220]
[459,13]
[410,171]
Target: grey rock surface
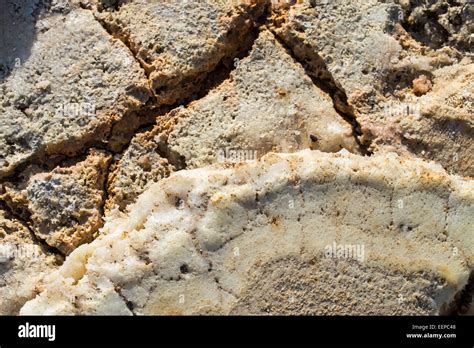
[236,157]
[370,55]
[75,86]
[179,42]
[64,205]
[267,104]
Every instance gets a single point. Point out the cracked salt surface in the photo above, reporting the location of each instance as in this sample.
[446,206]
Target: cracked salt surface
[163,213]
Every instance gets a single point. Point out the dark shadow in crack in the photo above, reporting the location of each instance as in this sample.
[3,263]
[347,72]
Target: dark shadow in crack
[317,71]
[438,24]
[462,301]
[17,32]
[111,5]
[45,247]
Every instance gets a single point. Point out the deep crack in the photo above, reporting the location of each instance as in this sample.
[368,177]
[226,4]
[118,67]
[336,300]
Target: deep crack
[105,189]
[125,39]
[128,303]
[45,247]
[332,88]
[462,300]
[227,291]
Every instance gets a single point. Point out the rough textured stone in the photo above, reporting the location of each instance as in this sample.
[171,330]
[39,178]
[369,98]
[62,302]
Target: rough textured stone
[142,112]
[143,163]
[379,73]
[444,128]
[71,92]
[64,205]
[180,42]
[254,239]
[267,104]
[23,264]
[441,23]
